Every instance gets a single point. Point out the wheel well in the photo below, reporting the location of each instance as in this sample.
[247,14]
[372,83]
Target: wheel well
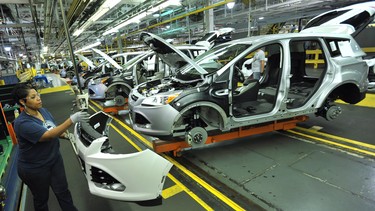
[348,93]
[122,85]
[211,116]
[208,115]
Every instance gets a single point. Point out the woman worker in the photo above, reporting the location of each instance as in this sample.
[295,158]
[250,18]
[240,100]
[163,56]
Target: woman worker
[40,164]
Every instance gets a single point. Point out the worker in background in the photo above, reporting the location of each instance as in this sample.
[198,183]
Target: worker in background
[258,64]
[40,164]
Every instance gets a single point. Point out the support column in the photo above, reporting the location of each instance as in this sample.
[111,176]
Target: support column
[119,42]
[67,33]
[209,18]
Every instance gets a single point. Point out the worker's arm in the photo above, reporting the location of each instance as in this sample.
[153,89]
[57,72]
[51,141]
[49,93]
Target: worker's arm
[261,66]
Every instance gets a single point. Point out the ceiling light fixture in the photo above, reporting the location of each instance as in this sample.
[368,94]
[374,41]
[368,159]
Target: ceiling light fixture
[230,5]
[7,48]
[137,18]
[103,9]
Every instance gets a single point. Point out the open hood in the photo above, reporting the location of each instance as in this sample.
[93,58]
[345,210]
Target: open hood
[85,59]
[108,58]
[167,52]
[350,20]
[217,36]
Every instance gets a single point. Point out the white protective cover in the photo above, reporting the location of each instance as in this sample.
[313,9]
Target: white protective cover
[143,173]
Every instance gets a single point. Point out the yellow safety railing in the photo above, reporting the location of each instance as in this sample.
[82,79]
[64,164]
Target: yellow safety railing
[315,58]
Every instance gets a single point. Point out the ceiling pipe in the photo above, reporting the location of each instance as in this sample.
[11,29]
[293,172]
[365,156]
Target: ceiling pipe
[23,37]
[77,7]
[67,33]
[33,15]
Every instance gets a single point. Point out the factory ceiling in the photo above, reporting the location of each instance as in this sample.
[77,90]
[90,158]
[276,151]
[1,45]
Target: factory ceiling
[34,27]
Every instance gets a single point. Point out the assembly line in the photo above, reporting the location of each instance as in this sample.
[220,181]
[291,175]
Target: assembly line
[236,114]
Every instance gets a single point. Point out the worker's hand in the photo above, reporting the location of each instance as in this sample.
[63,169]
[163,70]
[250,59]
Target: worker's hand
[80,116]
[65,135]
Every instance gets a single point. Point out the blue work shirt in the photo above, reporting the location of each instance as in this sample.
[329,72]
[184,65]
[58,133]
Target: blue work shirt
[29,130]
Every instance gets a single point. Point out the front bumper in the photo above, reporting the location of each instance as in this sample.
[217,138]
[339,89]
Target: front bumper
[135,177]
[151,120]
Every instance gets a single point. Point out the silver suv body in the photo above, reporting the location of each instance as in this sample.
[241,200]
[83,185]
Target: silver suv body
[204,96]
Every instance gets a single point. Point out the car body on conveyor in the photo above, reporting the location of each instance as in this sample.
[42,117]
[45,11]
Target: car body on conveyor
[150,66]
[108,66]
[204,98]
[142,68]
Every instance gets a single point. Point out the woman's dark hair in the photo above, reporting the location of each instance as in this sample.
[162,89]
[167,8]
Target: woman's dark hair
[21,91]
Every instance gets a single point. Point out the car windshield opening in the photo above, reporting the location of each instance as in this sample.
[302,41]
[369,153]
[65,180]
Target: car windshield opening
[212,60]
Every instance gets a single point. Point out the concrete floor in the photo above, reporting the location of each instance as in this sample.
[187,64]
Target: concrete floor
[272,171]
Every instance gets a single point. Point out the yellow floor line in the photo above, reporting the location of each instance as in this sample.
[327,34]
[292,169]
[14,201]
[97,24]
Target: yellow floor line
[190,193]
[370,146]
[333,143]
[171,191]
[126,138]
[183,187]
[204,184]
[141,138]
[208,187]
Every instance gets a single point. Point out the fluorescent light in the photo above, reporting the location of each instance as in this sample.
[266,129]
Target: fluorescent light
[7,48]
[88,47]
[261,18]
[137,18]
[103,9]
[78,32]
[99,14]
[230,5]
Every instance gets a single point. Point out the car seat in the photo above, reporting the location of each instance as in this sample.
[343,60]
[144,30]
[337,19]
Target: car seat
[272,71]
[247,92]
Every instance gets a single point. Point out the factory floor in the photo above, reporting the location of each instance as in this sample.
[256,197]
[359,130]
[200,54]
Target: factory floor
[319,165]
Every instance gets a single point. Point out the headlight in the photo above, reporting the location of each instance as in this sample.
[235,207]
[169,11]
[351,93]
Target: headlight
[104,80]
[160,99]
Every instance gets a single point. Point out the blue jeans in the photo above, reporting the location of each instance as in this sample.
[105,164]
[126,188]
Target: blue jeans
[256,75]
[40,179]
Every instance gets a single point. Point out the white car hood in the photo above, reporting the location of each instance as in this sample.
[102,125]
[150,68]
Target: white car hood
[349,20]
[85,59]
[160,46]
[108,58]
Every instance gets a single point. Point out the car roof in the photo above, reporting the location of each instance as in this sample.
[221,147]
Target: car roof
[191,47]
[255,40]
